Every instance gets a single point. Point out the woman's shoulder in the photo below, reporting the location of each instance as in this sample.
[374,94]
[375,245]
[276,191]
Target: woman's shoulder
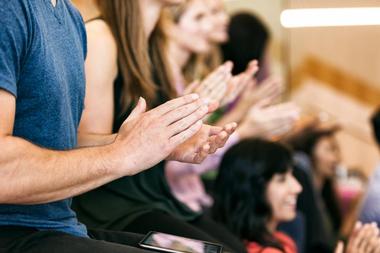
[257,248]
[283,237]
[101,62]
[286,242]
[99,34]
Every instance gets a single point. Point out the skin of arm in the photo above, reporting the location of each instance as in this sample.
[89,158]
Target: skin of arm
[31,177]
[101,70]
[30,174]
[41,175]
[96,123]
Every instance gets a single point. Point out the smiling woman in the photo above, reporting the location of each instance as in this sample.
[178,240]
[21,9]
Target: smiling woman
[261,169]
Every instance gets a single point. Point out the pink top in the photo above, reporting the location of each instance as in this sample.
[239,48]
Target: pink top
[184,178]
[185,182]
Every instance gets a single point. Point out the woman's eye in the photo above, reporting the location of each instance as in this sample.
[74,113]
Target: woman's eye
[199,17]
[282,178]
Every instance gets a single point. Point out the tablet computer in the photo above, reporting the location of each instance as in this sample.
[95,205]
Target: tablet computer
[177,244]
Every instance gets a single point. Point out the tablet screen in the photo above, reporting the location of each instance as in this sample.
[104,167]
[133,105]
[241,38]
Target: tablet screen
[172,243]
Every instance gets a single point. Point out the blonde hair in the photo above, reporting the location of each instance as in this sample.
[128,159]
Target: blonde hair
[198,65]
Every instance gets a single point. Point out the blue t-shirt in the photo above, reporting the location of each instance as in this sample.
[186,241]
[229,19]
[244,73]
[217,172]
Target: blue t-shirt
[42,53]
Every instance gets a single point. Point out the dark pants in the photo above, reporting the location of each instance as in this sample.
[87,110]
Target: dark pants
[203,228]
[26,240]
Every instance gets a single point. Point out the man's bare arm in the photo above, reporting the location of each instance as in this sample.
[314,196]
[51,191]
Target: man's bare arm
[32,175]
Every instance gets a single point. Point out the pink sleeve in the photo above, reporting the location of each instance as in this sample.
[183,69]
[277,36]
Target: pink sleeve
[212,161]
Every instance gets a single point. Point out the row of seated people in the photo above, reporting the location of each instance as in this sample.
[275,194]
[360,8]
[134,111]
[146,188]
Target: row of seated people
[139,55]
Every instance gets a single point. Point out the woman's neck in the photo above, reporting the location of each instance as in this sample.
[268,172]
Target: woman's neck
[179,55]
[319,180]
[151,11]
[88,8]
[272,226]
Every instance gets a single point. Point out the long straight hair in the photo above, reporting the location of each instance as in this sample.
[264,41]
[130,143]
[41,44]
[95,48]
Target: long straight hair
[142,61]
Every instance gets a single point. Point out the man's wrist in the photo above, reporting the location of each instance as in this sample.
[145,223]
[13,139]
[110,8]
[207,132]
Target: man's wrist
[122,160]
[111,160]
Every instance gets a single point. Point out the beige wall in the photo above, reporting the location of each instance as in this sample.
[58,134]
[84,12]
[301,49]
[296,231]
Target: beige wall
[357,144]
[354,50]
[351,50]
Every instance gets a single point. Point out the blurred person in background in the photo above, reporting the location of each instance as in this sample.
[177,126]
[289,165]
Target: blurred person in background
[262,192]
[189,29]
[317,157]
[248,39]
[370,211]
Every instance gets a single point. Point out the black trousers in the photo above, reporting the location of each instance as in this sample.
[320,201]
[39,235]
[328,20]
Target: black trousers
[27,240]
[203,228]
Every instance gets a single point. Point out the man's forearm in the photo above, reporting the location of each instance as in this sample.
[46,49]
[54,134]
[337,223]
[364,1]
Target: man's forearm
[41,176]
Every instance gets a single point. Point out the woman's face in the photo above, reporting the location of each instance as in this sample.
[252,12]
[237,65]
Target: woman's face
[193,27]
[326,156]
[220,21]
[282,193]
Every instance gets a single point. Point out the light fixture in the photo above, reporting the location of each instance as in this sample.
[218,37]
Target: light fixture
[322,17]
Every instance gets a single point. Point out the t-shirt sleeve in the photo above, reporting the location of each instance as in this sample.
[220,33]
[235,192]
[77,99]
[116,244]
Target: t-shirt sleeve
[12,44]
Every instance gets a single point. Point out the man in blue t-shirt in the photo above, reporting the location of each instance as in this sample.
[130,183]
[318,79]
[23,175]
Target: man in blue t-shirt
[42,88]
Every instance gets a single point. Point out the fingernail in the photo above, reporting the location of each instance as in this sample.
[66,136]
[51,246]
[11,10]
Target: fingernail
[194,96]
[206,101]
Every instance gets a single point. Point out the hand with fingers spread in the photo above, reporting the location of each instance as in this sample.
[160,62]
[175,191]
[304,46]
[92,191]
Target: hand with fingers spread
[239,82]
[269,91]
[364,239]
[205,142]
[213,88]
[269,121]
[146,138]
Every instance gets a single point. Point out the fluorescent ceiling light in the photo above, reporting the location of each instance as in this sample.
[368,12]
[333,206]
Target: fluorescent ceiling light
[322,17]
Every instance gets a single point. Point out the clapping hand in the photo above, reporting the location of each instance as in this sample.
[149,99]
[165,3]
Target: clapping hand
[239,82]
[205,142]
[269,121]
[213,88]
[364,239]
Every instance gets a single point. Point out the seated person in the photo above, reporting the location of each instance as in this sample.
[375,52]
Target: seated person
[317,155]
[371,206]
[44,160]
[256,190]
